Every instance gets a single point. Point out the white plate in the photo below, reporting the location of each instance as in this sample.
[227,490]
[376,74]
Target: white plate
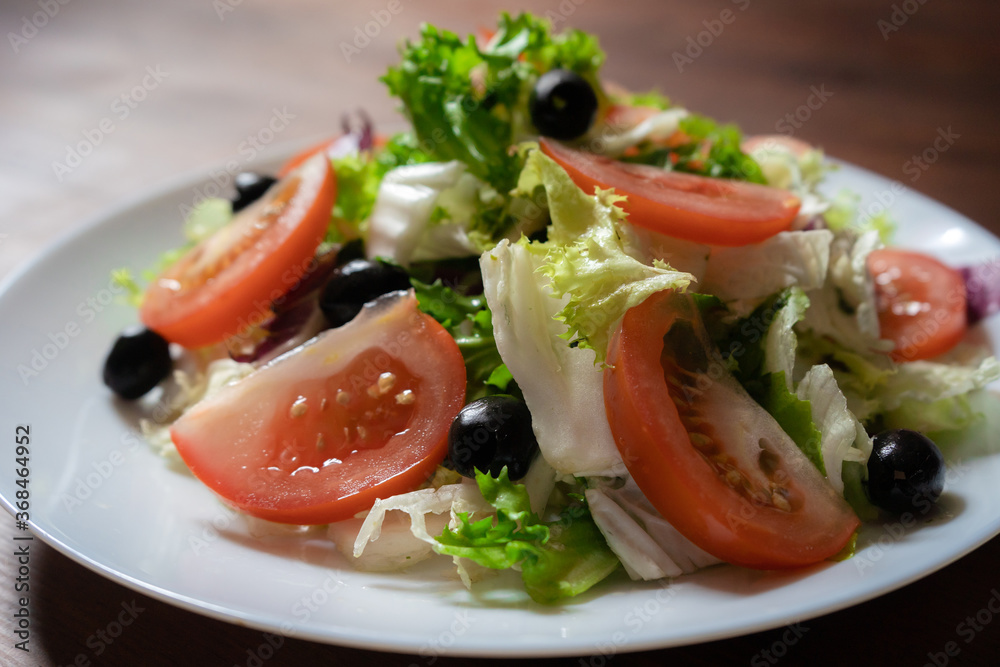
[157,530]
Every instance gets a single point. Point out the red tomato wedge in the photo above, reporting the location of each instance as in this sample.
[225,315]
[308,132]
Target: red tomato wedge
[302,156]
[921,303]
[709,458]
[362,412]
[686,206]
[227,282]
[336,147]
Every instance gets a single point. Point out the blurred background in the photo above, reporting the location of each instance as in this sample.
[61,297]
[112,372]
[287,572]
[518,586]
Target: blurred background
[100,102]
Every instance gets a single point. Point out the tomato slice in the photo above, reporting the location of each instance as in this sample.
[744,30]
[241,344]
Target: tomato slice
[921,303]
[297,159]
[362,412]
[715,211]
[705,454]
[227,282]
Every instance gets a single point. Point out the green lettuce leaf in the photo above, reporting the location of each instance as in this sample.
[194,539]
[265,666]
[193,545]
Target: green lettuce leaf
[650,98]
[476,124]
[358,178]
[557,559]
[713,150]
[584,257]
[793,414]
[763,348]
[469,320]
[845,213]
[133,291]
[926,396]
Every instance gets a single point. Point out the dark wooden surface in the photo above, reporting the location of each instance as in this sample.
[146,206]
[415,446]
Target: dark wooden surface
[225,72]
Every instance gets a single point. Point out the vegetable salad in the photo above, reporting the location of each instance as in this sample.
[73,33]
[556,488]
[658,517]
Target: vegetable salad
[555,326]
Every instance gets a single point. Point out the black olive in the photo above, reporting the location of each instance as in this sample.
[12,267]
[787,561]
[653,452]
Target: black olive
[905,471]
[353,249]
[356,283]
[562,105]
[491,433]
[249,188]
[138,360]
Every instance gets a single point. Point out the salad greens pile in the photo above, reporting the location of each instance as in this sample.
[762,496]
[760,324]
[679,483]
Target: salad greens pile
[557,559]
[477,124]
[793,317]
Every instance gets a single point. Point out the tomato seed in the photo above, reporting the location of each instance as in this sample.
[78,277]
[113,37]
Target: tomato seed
[299,407]
[778,500]
[386,382]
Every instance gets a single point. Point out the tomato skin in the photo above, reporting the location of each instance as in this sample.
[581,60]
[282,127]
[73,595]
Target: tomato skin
[350,444]
[922,303]
[657,449]
[696,208]
[300,157]
[227,282]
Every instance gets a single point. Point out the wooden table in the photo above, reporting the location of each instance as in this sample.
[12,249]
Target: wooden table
[182,84]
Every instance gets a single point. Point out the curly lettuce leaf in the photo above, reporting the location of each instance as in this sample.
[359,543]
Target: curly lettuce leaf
[471,104]
[563,388]
[585,260]
[927,396]
[358,178]
[557,559]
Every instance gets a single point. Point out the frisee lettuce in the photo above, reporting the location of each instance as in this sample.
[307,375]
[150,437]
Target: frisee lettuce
[558,559]
[476,124]
[585,260]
